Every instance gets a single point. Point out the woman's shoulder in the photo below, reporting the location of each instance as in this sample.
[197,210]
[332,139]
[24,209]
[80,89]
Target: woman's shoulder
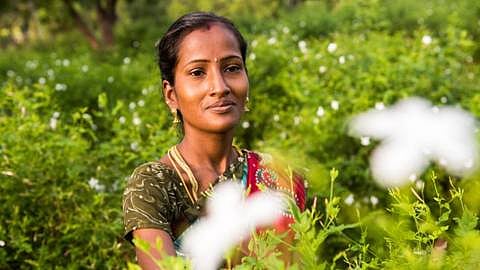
[155,171]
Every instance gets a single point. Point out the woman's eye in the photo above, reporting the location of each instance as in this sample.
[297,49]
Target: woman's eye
[232,68]
[196,72]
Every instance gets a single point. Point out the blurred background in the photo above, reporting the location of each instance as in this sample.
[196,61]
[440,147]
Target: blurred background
[81,107]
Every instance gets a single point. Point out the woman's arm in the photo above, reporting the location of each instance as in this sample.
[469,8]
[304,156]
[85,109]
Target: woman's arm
[150,236]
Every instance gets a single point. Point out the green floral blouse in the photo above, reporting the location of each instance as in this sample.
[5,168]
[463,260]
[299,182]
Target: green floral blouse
[155,197]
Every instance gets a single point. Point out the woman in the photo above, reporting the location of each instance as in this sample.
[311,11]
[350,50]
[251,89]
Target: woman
[205,85]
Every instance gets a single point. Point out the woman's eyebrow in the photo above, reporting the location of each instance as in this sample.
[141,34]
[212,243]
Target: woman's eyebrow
[228,57]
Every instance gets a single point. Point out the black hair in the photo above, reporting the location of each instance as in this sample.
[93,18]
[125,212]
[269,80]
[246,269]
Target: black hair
[167,47]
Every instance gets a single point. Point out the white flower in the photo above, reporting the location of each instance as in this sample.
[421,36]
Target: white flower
[60,87]
[66,62]
[349,199]
[426,40]
[295,59]
[413,135]
[122,119]
[136,120]
[53,123]
[320,111]
[58,62]
[2,243]
[374,200]
[252,56]
[85,68]
[254,43]
[341,60]
[50,73]
[272,40]
[141,103]
[316,120]
[132,105]
[285,30]
[364,140]
[276,118]
[245,124]
[296,120]
[443,100]
[126,60]
[332,47]
[230,219]
[379,106]
[144,91]
[42,80]
[322,69]
[10,73]
[335,105]
[302,45]
[134,146]
[56,115]
[110,79]
[93,183]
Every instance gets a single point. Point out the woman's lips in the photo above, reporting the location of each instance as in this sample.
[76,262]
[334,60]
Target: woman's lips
[222,106]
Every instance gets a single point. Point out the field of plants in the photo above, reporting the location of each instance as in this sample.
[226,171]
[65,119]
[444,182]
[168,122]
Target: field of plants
[75,122]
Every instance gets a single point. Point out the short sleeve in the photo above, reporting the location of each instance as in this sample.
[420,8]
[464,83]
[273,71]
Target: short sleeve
[146,201]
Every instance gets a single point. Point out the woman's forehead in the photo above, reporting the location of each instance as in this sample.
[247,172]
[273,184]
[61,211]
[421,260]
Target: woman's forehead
[214,41]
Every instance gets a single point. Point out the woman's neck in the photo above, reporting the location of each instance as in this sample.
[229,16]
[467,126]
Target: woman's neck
[212,152]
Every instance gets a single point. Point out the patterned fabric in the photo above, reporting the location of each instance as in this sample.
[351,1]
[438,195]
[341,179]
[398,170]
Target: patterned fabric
[156,198]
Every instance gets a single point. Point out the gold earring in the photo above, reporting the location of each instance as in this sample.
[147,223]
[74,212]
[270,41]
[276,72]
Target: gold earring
[176,120]
[245,106]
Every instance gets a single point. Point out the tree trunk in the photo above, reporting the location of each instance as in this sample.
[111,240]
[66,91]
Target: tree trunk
[82,26]
[107,18]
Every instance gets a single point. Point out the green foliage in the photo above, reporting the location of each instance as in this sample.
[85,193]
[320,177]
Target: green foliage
[74,123]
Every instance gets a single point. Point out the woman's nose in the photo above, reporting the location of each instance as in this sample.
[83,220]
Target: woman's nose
[218,85]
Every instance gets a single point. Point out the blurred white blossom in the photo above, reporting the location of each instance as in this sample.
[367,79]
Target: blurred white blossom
[93,183]
[141,103]
[302,45]
[245,124]
[297,120]
[413,134]
[230,219]
[374,200]
[85,68]
[132,105]
[379,106]
[110,79]
[272,40]
[42,80]
[276,118]
[365,140]
[122,119]
[53,123]
[134,146]
[349,199]
[341,60]
[136,120]
[426,40]
[126,60]
[66,62]
[332,47]
[322,69]
[335,105]
[2,243]
[320,111]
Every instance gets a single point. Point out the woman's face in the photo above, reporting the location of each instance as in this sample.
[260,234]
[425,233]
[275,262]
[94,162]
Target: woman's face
[211,82]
